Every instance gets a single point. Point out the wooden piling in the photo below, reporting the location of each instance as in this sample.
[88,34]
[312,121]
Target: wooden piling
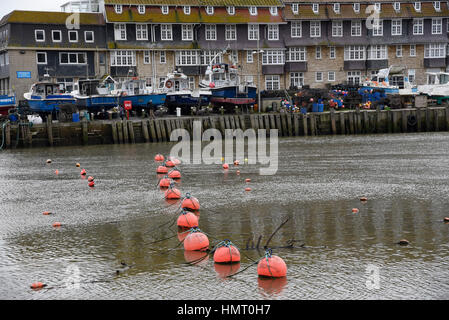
[333,125]
[261,122]
[272,122]
[435,121]
[279,125]
[428,120]
[242,122]
[8,135]
[125,132]
[158,130]
[289,124]
[145,132]
[447,118]
[378,120]
[266,120]
[284,124]
[418,119]
[153,135]
[404,120]
[169,128]
[131,132]
[366,124]
[312,124]
[120,131]
[296,123]
[350,115]
[114,133]
[304,124]
[342,123]
[358,120]
[50,129]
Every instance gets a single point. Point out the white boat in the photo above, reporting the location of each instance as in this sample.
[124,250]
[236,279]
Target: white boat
[438,86]
[95,95]
[392,80]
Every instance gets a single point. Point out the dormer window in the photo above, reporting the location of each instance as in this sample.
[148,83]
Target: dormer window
[397,6]
[141,9]
[210,10]
[417,6]
[315,8]
[274,11]
[118,8]
[187,10]
[39,35]
[336,7]
[164,9]
[56,36]
[356,7]
[377,6]
[295,8]
[231,10]
[437,5]
[253,11]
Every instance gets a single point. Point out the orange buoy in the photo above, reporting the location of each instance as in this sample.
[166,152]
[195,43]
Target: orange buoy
[159,157]
[78,165]
[169,164]
[172,193]
[226,166]
[190,203]
[363,199]
[38,285]
[56,171]
[226,252]
[48,160]
[91,184]
[165,182]
[83,172]
[355,210]
[90,178]
[237,172]
[198,258]
[177,162]
[187,220]
[248,180]
[271,266]
[236,163]
[225,270]
[46,213]
[162,170]
[57,224]
[174,174]
[248,189]
[196,241]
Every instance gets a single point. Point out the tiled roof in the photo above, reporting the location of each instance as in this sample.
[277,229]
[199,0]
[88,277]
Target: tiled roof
[197,15]
[42,17]
[215,3]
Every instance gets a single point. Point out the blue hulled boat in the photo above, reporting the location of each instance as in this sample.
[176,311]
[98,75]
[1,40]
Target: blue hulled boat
[45,97]
[140,96]
[7,101]
[95,96]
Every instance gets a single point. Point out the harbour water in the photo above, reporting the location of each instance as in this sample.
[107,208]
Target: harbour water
[320,179]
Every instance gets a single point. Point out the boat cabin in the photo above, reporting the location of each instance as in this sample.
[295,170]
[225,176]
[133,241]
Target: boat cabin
[45,89]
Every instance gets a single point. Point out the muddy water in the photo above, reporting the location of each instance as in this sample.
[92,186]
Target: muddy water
[319,181]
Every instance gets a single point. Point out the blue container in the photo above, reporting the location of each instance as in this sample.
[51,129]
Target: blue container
[315,107]
[321,107]
[76,117]
[303,110]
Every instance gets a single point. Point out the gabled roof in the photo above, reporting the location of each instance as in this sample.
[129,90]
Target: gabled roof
[47,17]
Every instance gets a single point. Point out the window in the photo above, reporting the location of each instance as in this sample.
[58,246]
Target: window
[253,32]
[187,58]
[411,75]
[396,27]
[122,58]
[120,31]
[249,79]
[162,57]
[296,79]
[162,81]
[146,57]
[89,36]
[435,50]
[437,26]
[56,36]
[318,76]
[141,9]
[149,82]
[166,32]
[211,32]
[191,83]
[230,32]
[437,5]
[272,82]
[417,6]
[337,28]
[186,10]
[315,8]
[413,50]
[297,54]
[315,29]
[39,35]
[66,84]
[249,56]
[208,55]
[378,27]
[231,10]
[354,77]
[273,57]
[41,57]
[331,76]
[73,36]
[418,26]
[336,7]
[356,28]
[377,52]
[273,32]
[318,52]
[165,9]
[253,11]
[295,8]
[397,6]
[72,58]
[187,32]
[118,8]
[356,7]
[296,29]
[399,51]
[377,6]
[210,10]
[332,52]
[141,32]
[354,53]
[274,11]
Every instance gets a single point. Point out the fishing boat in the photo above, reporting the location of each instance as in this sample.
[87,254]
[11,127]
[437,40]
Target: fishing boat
[95,95]
[46,97]
[179,94]
[393,81]
[7,101]
[223,80]
[438,86]
[139,94]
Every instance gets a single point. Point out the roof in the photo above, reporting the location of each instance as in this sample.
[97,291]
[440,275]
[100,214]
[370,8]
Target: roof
[197,15]
[47,17]
[215,3]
